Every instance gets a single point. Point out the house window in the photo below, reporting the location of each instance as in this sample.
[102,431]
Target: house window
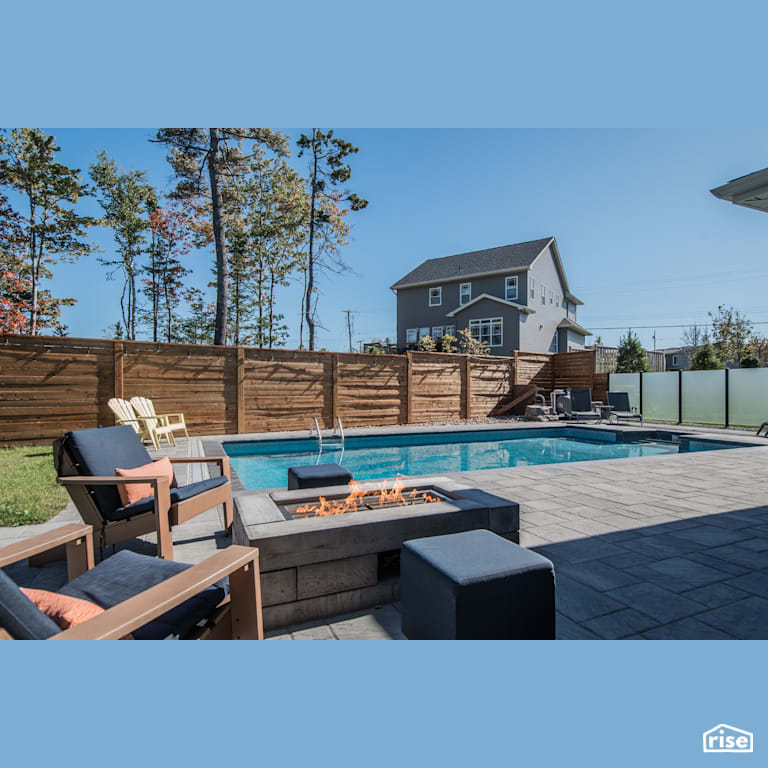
[543,294]
[489,331]
[435,297]
[533,289]
[423,332]
[675,361]
[450,330]
[437,332]
[556,344]
[465,293]
[551,297]
[510,292]
[559,300]
[411,335]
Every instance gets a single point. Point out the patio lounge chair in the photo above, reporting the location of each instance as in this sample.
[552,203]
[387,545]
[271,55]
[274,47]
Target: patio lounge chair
[621,410]
[174,422]
[86,461]
[580,406]
[145,427]
[147,597]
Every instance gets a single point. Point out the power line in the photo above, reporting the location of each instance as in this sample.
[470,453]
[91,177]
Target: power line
[650,327]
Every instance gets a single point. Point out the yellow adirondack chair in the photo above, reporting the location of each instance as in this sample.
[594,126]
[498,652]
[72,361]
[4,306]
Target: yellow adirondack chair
[145,427]
[173,421]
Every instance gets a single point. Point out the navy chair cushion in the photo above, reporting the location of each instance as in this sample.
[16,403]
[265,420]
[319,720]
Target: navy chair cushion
[19,616]
[99,452]
[126,574]
[317,476]
[177,494]
[619,400]
[581,400]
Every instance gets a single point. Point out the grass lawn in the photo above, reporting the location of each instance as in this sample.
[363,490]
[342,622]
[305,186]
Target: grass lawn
[28,490]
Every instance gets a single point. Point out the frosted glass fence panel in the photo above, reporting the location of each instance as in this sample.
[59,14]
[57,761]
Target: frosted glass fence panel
[626,382]
[660,396]
[704,397]
[747,397]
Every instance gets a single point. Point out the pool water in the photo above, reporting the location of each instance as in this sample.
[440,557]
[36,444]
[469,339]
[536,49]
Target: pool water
[264,464]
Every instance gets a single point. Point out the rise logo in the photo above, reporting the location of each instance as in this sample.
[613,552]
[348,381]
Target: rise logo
[726,738]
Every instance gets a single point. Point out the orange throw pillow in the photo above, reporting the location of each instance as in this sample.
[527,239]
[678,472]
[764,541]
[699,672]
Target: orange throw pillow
[65,611]
[131,492]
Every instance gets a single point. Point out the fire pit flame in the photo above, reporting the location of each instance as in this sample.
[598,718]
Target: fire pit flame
[361,499]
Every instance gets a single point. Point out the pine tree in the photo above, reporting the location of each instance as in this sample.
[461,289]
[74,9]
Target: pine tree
[329,206]
[127,199]
[706,359]
[631,357]
[192,151]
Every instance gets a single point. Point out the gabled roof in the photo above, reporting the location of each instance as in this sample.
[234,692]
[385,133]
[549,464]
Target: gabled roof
[521,307]
[573,326]
[505,258]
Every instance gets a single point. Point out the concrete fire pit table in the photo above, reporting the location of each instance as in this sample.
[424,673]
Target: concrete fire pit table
[314,567]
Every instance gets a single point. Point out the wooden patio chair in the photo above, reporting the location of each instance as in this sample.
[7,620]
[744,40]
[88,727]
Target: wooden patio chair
[174,422]
[86,460]
[144,596]
[145,427]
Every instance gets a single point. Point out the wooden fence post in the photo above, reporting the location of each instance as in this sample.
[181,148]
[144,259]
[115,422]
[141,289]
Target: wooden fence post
[240,388]
[334,388]
[468,387]
[117,353]
[408,387]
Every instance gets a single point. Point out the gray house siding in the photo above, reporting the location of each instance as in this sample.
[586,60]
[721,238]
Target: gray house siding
[537,333]
[489,310]
[413,310]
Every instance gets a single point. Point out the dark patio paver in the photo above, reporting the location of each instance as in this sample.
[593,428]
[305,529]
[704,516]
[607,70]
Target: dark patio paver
[746,619]
[580,602]
[686,629]
[755,583]
[620,624]
[715,595]
[653,600]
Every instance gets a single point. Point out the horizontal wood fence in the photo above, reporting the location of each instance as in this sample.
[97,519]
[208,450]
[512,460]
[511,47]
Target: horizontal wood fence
[49,385]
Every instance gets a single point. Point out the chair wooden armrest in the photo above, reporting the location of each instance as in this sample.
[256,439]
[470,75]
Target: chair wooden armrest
[241,564]
[99,480]
[222,461]
[76,537]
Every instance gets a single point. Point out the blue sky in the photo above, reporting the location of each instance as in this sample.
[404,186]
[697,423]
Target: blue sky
[643,241]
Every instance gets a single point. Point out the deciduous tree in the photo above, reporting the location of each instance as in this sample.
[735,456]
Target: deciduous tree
[51,229]
[731,332]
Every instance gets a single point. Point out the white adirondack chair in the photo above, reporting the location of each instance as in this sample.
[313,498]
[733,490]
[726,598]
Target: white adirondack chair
[174,422]
[145,427]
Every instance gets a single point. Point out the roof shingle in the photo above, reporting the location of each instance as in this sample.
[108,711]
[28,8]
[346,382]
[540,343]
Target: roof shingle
[516,256]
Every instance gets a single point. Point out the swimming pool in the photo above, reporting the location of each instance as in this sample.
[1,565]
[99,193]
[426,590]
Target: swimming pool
[264,464]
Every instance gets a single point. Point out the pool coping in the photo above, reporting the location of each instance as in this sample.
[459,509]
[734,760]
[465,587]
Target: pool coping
[212,445]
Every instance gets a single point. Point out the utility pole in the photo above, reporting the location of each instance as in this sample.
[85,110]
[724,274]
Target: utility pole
[654,339]
[349,325]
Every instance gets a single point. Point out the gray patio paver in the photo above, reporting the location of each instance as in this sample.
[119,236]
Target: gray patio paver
[614,626]
[715,595]
[686,629]
[746,619]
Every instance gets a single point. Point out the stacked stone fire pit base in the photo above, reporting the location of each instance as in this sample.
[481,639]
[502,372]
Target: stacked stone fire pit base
[317,567]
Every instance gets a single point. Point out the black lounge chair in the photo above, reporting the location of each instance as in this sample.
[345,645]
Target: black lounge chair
[763,426]
[148,597]
[581,406]
[86,460]
[619,401]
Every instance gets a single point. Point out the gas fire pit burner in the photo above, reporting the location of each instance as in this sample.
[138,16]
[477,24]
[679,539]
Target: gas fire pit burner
[360,498]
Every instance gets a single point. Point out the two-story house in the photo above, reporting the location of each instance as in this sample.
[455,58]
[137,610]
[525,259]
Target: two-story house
[513,297]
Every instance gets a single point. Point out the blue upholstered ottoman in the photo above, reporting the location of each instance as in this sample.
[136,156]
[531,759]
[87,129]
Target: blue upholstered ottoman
[317,476]
[475,586]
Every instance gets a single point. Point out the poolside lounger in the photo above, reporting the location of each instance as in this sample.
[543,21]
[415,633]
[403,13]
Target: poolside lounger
[763,426]
[148,598]
[621,409]
[580,405]
[86,460]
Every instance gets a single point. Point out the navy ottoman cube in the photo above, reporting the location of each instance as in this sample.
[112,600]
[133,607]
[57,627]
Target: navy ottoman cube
[318,476]
[475,586]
